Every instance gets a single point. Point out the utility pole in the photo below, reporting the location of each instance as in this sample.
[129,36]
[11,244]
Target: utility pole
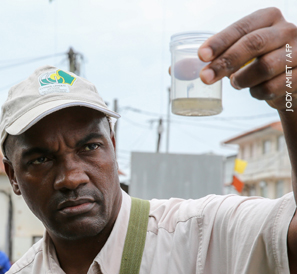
[71,58]
[75,60]
[160,130]
[168,120]
[115,108]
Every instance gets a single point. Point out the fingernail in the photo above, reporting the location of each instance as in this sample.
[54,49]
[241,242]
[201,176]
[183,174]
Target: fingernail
[208,75]
[205,54]
[234,83]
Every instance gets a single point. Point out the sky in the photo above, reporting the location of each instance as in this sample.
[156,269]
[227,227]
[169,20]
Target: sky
[125,45]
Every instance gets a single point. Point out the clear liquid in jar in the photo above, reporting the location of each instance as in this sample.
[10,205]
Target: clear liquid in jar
[196,106]
[194,98]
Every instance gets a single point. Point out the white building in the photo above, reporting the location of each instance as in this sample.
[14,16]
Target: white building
[268,172]
[19,228]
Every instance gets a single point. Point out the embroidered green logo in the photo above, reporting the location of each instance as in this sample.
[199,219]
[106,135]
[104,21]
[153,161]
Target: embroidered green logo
[55,81]
[56,77]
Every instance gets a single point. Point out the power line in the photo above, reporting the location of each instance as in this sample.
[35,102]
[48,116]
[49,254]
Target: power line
[196,123]
[246,117]
[134,123]
[199,124]
[139,111]
[196,138]
[141,138]
[208,118]
[31,60]
[205,125]
[13,60]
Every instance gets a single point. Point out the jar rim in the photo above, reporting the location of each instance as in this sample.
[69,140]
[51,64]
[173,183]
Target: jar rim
[190,37]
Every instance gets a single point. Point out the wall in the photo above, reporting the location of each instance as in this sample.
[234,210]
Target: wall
[269,167]
[25,224]
[4,186]
[160,175]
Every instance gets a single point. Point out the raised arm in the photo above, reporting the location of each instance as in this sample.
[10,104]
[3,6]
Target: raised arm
[272,76]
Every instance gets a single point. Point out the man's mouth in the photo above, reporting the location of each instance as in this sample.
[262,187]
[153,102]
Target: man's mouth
[75,207]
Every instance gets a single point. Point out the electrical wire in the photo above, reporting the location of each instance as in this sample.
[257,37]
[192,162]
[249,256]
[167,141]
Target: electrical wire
[198,124]
[133,123]
[31,60]
[196,138]
[208,118]
[138,111]
[142,137]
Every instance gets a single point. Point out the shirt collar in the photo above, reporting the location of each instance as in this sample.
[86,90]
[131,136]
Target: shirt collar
[110,256]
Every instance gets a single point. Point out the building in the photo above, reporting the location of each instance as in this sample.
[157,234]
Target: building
[229,162]
[268,172]
[166,175]
[19,228]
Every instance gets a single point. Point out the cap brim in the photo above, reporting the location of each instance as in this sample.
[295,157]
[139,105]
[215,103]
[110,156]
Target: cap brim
[36,114]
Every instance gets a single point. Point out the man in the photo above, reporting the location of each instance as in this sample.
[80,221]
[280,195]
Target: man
[58,142]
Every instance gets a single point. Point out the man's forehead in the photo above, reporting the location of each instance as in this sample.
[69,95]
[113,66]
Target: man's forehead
[73,122]
[73,119]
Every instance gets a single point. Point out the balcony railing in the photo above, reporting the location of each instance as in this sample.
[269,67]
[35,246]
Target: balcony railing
[273,165]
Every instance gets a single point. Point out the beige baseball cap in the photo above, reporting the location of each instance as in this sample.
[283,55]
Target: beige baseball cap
[47,90]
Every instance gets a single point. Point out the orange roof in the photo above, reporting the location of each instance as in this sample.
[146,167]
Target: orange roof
[276,125]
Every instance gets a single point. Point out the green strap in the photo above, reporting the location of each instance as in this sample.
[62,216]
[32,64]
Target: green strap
[135,238]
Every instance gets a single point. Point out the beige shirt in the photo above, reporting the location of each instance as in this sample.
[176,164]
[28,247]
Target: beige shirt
[212,235]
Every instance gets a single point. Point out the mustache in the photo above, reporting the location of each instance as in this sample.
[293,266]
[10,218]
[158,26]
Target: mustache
[75,194]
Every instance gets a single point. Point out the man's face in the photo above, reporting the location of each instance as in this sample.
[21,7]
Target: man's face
[65,168]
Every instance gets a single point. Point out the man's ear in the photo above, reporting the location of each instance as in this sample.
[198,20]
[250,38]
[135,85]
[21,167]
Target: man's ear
[11,176]
[112,137]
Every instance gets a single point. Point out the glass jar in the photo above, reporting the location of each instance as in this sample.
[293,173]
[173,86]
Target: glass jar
[189,95]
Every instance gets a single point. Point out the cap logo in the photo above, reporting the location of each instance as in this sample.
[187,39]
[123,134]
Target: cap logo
[55,81]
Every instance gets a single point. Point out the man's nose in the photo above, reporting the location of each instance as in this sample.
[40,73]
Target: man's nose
[70,174]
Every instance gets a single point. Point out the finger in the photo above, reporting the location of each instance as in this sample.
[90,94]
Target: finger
[217,44]
[276,91]
[169,70]
[251,45]
[264,68]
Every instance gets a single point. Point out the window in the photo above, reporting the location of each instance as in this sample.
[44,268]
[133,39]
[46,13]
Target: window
[35,239]
[241,152]
[251,150]
[279,192]
[281,144]
[266,148]
[246,152]
[263,189]
[252,190]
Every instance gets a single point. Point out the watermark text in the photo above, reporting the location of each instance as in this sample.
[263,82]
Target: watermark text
[289,72]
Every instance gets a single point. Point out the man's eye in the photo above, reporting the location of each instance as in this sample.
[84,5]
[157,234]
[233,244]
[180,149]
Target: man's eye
[39,160]
[91,147]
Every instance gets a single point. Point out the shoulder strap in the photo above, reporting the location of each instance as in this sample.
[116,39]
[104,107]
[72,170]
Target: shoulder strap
[135,238]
